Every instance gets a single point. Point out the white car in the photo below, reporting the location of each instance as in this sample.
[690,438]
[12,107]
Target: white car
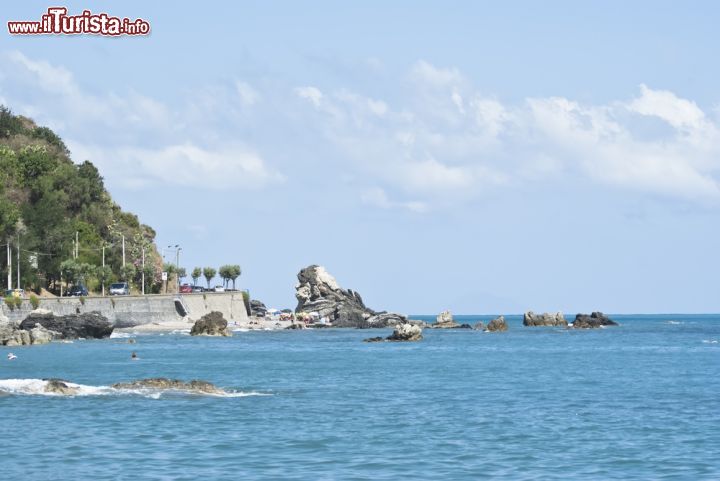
[219,289]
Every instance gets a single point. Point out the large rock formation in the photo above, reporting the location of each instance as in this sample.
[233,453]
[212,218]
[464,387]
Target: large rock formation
[162,383]
[497,325]
[88,325]
[594,320]
[545,319]
[11,334]
[402,333]
[211,324]
[257,308]
[318,291]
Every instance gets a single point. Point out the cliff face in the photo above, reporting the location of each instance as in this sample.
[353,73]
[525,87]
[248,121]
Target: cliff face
[318,291]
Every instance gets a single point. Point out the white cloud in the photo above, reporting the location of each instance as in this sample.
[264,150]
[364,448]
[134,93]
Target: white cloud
[442,145]
[680,113]
[378,198]
[312,94]
[248,95]
[185,165]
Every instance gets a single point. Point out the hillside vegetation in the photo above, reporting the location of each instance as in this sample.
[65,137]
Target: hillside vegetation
[46,198]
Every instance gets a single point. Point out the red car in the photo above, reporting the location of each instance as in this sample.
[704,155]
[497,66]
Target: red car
[185,289]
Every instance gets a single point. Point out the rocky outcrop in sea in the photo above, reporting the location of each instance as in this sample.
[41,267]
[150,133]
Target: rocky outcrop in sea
[546,319]
[402,333]
[594,320]
[211,324]
[162,383]
[318,291]
[12,335]
[88,325]
[497,325]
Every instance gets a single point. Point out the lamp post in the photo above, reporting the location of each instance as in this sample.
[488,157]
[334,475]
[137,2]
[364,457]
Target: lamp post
[177,266]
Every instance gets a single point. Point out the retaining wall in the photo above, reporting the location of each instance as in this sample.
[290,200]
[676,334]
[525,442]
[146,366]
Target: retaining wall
[126,311]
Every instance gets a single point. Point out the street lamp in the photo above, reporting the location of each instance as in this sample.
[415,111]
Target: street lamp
[177,265]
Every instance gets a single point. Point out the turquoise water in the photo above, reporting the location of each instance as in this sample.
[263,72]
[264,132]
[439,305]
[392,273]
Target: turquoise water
[641,401]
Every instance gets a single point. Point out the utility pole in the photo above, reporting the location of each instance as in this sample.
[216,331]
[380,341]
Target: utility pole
[18,260]
[9,257]
[143,270]
[123,238]
[103,274]
[177,268]
[9,253]
[77,245]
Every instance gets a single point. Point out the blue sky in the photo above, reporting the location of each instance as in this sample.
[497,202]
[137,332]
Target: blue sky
[486,158]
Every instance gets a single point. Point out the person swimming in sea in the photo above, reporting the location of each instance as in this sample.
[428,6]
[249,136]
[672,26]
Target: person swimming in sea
[134,356]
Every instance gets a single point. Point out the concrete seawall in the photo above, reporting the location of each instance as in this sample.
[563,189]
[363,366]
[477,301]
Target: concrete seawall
[127,311]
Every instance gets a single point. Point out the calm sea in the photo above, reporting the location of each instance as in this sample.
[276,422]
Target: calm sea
[640,401]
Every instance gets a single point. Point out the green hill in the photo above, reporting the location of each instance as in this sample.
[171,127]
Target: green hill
[46,200]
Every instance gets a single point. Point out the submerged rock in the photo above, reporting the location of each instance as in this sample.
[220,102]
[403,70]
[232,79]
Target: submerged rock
[402,333]
[59,386]
[89,325]
[318,291]
[497,325]
[163,383]
[546,319]
[211,324]
[594,320]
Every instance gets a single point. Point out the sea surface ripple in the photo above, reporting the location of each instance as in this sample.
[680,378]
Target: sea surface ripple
[639,401]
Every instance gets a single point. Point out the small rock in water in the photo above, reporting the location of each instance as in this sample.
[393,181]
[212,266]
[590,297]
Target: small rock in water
[594,320]
[164,383]
[402,333]
[59,386]
[546,319]
[445,320]
[497,325]
[211,324]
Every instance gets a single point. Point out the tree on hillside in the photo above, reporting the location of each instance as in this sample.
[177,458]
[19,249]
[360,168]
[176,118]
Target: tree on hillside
[127,272]
[196,273]
[104,275]
[171,270]
[69,271]
[208,274]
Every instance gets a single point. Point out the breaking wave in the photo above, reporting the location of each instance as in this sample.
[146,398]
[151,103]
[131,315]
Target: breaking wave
[37,387]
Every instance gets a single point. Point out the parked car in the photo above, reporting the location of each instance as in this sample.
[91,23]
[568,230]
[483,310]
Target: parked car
[15,293]
[78,290]
[219,289]
[198,289]
[186,289]
[120,289]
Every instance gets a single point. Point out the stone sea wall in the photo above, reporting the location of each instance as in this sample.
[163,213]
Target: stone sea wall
[126,311]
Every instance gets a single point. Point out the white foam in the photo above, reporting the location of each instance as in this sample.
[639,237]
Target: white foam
[121,335]
[710,341]
[674,323]
[36,387]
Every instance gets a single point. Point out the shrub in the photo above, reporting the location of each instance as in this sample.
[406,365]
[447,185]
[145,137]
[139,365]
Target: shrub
[112,301]
[35,301]
[10,302]
[246,301]
[82,300]
[18,302]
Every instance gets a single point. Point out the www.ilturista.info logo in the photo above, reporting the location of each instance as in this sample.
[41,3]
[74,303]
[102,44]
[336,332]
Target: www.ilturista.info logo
[58,22]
